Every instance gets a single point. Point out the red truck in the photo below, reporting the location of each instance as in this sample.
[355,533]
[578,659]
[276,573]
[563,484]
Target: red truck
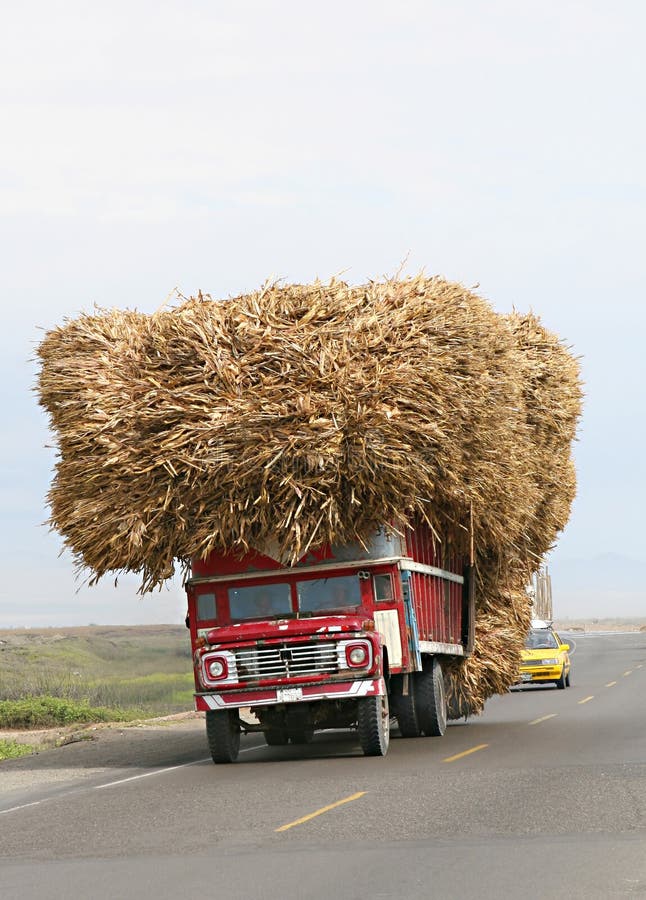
[346,638]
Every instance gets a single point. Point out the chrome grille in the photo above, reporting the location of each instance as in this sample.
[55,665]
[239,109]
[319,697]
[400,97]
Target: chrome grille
[288,660]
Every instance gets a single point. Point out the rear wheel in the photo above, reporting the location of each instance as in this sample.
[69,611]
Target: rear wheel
[374,725]
[276,737]
[223,735]
[431,700]
[406,712]
[458,708]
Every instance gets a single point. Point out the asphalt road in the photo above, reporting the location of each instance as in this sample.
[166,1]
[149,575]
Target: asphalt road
[543,795]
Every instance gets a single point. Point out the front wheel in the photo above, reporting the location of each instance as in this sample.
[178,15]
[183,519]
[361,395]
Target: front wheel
[562,682]
[223,735]
[431,700]
[374,725]
[567,680]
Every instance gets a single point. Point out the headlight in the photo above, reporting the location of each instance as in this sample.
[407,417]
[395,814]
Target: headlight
[358,656]
[549,662]
[217,668]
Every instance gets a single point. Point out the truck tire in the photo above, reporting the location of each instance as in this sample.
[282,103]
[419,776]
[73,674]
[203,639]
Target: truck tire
[374,725]
[458,709]
[223,735]
[406,712]
[276,737]
[431,700]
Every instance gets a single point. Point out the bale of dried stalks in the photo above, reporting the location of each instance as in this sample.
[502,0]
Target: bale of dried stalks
[312,413]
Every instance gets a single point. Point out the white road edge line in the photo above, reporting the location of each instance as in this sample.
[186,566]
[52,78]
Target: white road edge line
[195,762]
[98,787]
[23,806]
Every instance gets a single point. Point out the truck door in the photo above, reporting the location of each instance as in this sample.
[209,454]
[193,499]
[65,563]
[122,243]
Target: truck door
[411,622]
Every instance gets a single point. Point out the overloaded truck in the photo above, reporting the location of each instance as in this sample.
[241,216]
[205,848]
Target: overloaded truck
[347,637]
[303,414]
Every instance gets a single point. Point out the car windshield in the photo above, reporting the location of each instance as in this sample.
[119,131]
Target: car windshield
[318,594]
[541,639]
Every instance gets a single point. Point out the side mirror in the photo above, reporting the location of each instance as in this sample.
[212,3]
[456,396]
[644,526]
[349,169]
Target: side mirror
[565,646]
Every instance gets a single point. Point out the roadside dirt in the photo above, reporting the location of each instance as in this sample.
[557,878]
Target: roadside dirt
[48,738]
[69,758]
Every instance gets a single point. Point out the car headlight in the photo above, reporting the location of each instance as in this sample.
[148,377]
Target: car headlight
[549,662]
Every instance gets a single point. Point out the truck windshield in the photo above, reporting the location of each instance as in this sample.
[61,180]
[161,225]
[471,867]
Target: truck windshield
[258,601]
[318,594]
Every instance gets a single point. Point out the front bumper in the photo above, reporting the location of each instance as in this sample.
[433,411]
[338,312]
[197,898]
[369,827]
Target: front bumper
[307,693]
[535,674]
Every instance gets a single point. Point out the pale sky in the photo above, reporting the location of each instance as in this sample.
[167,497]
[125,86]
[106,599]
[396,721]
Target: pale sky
[197,145]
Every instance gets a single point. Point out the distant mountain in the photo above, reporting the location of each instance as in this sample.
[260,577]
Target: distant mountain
[604,585]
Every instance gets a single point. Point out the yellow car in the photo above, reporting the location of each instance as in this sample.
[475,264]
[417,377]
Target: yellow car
[545,659]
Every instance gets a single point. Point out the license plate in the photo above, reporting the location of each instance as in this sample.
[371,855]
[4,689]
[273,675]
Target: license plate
[289,695]
[525,676]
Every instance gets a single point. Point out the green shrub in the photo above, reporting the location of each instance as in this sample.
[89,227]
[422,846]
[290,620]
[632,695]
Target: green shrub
[146,671]
[159,693]
[46,712]
[13,749]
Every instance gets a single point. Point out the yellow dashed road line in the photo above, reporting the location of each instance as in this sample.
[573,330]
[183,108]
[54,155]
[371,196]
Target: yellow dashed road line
[319,812]
[543,719]
[465,753]
[448,759]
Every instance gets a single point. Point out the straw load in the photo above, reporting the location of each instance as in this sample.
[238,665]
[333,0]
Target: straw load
[303,414]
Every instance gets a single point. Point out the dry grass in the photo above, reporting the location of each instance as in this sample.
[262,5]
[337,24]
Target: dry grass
[313,413]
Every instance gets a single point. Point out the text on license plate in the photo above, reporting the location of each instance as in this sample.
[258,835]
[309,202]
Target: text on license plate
[289,695]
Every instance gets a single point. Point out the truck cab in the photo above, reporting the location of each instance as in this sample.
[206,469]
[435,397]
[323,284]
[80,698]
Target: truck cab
[347,637]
